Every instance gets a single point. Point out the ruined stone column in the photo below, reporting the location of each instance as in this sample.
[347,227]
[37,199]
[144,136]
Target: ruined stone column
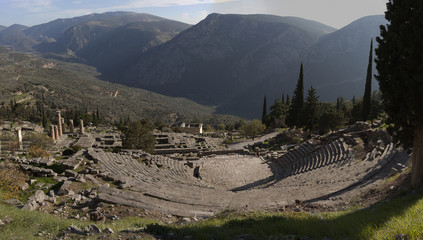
[56,132]
[52,134]
[63,126]
[81,126]
[59,123]
[71,126]
[200,128]
[19,135]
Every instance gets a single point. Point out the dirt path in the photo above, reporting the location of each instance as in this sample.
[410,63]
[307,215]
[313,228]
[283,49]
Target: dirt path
[241,145]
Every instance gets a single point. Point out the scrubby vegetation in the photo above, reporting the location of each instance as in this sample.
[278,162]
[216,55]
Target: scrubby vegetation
[11,180]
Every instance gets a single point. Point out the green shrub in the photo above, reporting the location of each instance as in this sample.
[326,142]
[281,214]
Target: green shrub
[76,148]
[68,152]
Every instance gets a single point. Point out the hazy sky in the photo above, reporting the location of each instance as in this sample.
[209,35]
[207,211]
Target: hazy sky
[335,13]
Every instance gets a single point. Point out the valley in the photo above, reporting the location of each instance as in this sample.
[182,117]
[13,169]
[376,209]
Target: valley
[228,61]
[127,125]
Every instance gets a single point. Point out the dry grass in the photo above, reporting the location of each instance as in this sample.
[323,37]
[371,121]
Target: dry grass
[11,180]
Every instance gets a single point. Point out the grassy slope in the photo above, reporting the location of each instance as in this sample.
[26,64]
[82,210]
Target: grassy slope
[401,215]
[27,224]
[68,85]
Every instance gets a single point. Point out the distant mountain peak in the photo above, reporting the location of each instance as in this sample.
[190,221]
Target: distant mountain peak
[17,27]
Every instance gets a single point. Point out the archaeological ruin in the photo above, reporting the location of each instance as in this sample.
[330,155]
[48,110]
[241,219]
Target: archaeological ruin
[194,175]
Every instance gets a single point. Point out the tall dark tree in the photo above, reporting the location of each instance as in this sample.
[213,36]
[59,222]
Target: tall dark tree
[368,88]
[294,117]
[264,114]
[98,115]
[288,100]
[400,76]
[45,120]
[376,107]
[311,108]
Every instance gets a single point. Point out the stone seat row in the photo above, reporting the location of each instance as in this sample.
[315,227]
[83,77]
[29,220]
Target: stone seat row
[307,158]
[340,172]
[157,189]
[125,167]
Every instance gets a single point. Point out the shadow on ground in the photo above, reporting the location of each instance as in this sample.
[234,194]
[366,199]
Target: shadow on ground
[354,224]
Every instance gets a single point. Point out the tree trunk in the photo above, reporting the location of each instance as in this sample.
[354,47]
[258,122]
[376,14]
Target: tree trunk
[417,158]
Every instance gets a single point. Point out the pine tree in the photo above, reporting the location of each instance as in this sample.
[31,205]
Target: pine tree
[138,135]
[311,109]
[264,114]
[283,99]
[288,100]
[368,89]
[399,65]
[294,117]
[277,115]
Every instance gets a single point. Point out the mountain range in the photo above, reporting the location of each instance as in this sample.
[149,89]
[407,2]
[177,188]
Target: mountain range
[228,61]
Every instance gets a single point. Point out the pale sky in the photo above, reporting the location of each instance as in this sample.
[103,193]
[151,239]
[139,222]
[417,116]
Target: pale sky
[335,13]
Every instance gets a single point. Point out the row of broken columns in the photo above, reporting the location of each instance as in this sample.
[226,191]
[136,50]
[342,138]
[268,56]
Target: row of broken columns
[56,131]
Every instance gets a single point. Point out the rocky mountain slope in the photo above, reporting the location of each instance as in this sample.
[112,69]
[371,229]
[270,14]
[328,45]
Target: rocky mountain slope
[337,64]
[107,41]
[15,38]
[229,61]
[28,79]
[232,61]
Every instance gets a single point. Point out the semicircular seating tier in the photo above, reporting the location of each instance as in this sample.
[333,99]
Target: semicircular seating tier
[311,172]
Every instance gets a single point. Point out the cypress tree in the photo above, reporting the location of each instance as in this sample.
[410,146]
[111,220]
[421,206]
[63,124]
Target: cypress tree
[399,65]
[368,88]
[296,110]
[288,100]
[44,117]
[283,99]
[300,89]
[264,114]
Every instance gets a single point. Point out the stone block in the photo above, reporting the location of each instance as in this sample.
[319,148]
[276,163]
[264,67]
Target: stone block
[31,205]
[70,173]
